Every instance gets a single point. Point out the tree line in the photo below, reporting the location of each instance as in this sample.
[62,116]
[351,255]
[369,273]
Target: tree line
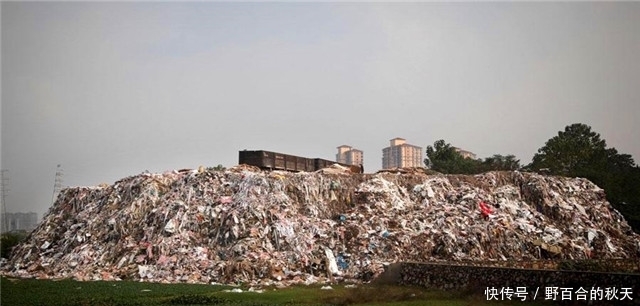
[575,152]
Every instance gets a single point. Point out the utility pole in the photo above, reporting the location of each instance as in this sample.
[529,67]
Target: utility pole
[57,183]
[4,180]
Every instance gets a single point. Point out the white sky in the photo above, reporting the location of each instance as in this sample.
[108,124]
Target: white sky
[109,90]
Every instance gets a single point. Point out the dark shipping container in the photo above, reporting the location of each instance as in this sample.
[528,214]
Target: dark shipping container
[278,161]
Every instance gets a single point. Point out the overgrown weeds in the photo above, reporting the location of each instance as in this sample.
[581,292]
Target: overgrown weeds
[198,299]
[374,294]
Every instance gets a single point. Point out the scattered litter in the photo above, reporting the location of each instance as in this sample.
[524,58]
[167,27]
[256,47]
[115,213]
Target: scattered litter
[484,208]
[326,288]
[277,228]
[45,245]
[335,169]
[251,289]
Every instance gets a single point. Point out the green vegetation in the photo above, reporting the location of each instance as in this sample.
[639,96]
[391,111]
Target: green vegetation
[8,241]
[444,158]
[74,293]
[579,152]
[575,152]
[219,167]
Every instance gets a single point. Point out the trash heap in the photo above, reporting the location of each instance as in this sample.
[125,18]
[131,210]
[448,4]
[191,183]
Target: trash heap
[280,228]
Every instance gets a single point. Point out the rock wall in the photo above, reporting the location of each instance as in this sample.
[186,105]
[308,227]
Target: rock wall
[247,225]
[478,279]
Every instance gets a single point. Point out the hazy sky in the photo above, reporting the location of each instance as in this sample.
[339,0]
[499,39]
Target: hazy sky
[109,90]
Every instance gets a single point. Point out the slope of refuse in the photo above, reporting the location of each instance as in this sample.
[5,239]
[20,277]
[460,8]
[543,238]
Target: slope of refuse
[260,227]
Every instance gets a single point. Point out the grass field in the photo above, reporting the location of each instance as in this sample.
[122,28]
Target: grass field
[74,293]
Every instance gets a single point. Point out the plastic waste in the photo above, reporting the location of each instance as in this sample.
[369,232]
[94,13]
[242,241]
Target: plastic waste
[278,228]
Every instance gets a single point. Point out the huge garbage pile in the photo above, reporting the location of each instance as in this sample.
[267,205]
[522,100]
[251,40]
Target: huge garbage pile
[260,227]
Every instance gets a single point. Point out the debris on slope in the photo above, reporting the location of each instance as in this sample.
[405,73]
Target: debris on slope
[246,225]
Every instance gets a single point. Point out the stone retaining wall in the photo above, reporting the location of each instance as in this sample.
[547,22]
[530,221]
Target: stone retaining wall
[600,265]
[478,279]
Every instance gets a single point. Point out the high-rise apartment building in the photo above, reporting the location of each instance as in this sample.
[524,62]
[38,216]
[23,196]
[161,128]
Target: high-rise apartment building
[465,153]
[401,154]
[19,221]
[349,155]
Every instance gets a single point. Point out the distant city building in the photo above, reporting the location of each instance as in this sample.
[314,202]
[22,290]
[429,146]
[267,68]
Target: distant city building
[349,155]
[465,154]
[19,221]
[401,154]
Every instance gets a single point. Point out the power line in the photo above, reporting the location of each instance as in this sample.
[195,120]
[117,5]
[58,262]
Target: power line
[4,180]
[57,183]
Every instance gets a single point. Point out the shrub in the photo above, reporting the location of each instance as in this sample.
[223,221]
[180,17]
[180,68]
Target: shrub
[8,241]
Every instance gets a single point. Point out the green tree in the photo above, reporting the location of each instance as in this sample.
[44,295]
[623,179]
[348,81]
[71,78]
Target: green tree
[580,152]
[575,151]
[219,167]
[439,155]
[443,157]
[501,163]
[8,241]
